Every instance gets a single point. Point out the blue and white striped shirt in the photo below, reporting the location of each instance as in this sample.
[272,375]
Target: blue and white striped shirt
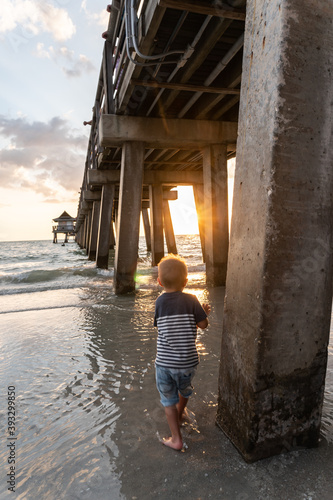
[176,318]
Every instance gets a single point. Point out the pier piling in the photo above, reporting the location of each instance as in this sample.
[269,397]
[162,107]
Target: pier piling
[279,283]
[94,230]
[157,236]
[105,232]
[129,207]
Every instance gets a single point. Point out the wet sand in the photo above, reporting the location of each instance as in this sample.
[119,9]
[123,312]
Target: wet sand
[210,466]
[90,421]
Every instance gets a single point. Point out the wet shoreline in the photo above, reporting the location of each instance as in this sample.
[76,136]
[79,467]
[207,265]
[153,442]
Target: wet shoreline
[89,419]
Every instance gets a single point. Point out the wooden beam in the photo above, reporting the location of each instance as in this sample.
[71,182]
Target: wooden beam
[186,87]
[171,178]
[161,133]
[200,7]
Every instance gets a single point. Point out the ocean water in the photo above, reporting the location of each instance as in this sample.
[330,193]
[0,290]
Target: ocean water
[80,361]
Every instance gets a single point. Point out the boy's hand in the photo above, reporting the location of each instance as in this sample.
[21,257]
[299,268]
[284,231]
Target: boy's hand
[206,308]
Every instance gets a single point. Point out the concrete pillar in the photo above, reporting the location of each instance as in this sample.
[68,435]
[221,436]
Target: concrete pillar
[146,227]
[88,231]
[129,207]
[104,230]
[80,236]
[199,204]
[215,175]
[156,216]
[168,228]
[94,230]
[112,240]
[84,235]
[279,283]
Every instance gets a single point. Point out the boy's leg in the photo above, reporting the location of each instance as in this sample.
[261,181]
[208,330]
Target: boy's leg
[172,415]
[181,406]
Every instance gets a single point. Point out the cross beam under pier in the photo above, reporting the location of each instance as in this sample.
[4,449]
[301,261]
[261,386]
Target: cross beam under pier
[172,178]
[114,130]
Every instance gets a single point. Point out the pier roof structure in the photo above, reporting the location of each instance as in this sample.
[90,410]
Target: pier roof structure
[184,90]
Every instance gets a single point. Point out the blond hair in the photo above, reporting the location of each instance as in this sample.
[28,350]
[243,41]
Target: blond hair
[172,271]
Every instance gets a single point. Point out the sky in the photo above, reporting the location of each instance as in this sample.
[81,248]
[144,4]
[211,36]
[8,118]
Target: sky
[50,58]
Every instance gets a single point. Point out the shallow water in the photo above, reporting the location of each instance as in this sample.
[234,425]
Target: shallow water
[81,360]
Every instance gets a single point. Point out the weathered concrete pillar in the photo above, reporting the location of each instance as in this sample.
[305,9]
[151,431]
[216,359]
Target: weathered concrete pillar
[84,235]
[215,175]
[199,205]
[80,236]
[104,230]
[168,228]
[112,240]
[156,216]
[88,231]
[129,207]
[279,283]
[146,227]
[94,230]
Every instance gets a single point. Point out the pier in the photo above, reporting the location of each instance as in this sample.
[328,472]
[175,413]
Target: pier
[183,87]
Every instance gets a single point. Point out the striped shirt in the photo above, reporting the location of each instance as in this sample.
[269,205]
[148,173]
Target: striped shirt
[176,318]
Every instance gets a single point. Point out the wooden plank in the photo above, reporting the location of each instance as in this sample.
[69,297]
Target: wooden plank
[199,7]
[186,87]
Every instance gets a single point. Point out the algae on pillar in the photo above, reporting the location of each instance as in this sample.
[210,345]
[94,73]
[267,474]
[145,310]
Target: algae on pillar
[279,281]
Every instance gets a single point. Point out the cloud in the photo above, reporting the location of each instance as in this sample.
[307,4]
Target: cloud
[102,18]
[45,157]
[36,16]
[71,65]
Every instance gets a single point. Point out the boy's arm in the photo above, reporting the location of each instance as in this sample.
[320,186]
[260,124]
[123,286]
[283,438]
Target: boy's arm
[204,323]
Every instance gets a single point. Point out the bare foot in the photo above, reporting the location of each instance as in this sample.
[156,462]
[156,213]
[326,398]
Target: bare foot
[175,445]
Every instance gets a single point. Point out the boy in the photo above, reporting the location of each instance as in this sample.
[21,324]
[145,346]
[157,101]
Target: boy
[177,316]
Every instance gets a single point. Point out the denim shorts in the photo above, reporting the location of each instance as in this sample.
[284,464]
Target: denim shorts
[171,381]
